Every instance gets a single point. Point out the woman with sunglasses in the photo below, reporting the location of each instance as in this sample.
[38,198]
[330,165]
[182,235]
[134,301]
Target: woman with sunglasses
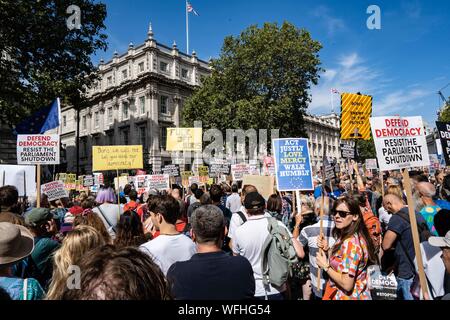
[350,256]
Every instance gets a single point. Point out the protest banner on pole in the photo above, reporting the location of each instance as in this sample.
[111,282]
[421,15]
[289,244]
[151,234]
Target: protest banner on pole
[158,182]
[172,170]
[37,149]
[356,109]
[400,144]
[239,170]
[348,149]
[292,164]
[444,135]
[202,171]
[106,158]
[185,178]
[21,177]
[264,184]
[371,164]
[184,139]
[54,190]
[218,167]
[141,184]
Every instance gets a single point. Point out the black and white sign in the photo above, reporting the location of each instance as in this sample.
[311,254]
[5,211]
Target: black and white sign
[348,149]
[444,135]
[172,170]
[38,149]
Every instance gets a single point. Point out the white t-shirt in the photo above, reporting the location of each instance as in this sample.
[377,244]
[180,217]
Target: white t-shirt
[236,222]
[166,250]
[384,215]
[434,268]
[234,202]
[248,242]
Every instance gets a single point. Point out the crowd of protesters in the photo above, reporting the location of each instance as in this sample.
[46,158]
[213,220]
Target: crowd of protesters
[206,242]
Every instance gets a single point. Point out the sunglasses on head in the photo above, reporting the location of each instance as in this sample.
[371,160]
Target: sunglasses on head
[341,213]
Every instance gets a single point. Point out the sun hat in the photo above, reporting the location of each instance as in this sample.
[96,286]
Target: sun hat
[441,242]
[16,243]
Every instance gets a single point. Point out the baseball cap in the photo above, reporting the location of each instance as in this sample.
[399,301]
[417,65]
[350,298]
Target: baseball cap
[441,242]
[254,200]
[38,216]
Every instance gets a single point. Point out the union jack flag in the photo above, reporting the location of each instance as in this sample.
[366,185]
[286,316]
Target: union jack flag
[334,91]
[190,8]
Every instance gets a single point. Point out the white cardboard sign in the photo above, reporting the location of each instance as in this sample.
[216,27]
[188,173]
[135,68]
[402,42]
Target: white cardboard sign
[54,190]
[400,142]
[38,149]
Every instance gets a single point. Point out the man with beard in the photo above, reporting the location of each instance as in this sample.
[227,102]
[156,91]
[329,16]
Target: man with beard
[425,205]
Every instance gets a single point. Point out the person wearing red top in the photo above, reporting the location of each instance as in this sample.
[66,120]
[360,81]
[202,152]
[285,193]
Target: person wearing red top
[133,205]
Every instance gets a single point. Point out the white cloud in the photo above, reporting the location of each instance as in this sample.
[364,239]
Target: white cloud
[332,24]
[354,74]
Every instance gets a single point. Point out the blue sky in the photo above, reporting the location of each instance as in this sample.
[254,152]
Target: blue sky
[402,66]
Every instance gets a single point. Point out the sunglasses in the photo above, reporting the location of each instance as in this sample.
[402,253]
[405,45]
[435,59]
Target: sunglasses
[341,213]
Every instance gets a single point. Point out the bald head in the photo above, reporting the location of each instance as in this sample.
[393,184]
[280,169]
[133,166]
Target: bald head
[393,203]
[426,189]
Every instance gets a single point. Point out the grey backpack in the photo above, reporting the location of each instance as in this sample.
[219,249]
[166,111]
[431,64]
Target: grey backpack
[277,255]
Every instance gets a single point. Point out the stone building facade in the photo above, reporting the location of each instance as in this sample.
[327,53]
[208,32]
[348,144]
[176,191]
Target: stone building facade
[139,95]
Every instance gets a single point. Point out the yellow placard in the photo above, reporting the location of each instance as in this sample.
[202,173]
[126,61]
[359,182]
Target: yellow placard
[356,111]
[117,158]
[70,178]
[184,139]
[203,171]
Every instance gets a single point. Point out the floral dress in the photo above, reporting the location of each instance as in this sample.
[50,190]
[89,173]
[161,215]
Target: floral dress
[351,258]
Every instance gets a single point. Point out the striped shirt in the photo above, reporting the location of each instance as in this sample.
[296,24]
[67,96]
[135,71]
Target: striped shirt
[308,237]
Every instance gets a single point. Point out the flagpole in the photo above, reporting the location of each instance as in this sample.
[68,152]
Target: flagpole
[187,28]
[332,102]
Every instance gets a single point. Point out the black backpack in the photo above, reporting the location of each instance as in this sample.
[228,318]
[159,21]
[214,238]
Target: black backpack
[424,232]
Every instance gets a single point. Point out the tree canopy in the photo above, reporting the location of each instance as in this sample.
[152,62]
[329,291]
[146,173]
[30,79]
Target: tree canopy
[41,58]
[261,80]
[444,116]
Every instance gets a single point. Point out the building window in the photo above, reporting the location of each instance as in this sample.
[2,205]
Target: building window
[64,121]
[96,119]
[125,110]
[142,104]
[141,67]
[124,74]
[163,138]
[96,141]
[163,66]
[84,123]
[143,137]
[84,151]
[110,115]
[184,73]
[125,138]
[109,81]
[163,104]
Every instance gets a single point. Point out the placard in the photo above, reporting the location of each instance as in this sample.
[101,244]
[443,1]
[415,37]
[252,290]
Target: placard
[54,190]
[348,149]
[158,182]
[264,184]
[381,286]
[218,167]
[356,109]
[292,164]
[269,166]
[444,135]
[400,142]
[117,158]
[172,170]
[38,149]
[203,171]
[239,170]
[121,183]
[88,181]
[194,179]
[371,164]
[21,177]
[184,139]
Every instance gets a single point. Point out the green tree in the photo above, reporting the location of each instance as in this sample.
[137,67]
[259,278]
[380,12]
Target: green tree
[366,149]
[41,58]
[261,80]
[444,116]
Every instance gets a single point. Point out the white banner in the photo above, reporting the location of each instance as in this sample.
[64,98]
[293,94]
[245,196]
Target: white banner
[158,182]
[38,149]
[21,177]
[239,170]
[400,142]
[54,190]
[371,164]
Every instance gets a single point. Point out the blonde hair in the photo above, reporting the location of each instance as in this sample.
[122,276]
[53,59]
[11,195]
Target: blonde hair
[396,190]
[75,245]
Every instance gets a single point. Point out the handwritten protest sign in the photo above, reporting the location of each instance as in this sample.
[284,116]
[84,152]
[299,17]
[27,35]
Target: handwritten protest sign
[38,149]
[158,182]
[239,170]
[54,190]
[292,164]
[356,110]
[444,135]
[184,139]
[116,158]
[400,142]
